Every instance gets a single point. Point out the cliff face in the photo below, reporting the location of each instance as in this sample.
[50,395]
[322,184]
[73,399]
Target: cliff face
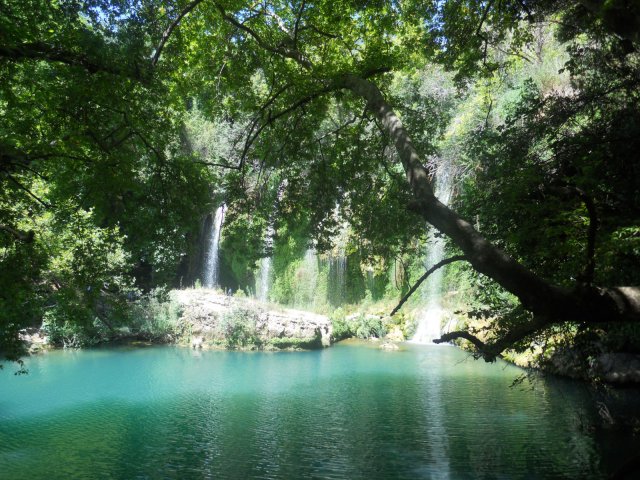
[210,319]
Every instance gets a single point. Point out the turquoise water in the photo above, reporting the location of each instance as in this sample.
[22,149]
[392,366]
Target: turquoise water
[350,411]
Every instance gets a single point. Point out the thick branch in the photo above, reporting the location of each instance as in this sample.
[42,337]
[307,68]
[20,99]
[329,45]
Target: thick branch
[484,17]
[167,33]
[426,274]
[50,53]
[26,237]
[589,203]
[479,344]
[297,24]
[543,299]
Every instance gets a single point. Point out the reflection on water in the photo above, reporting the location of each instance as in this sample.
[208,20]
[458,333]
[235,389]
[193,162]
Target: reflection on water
[346,412]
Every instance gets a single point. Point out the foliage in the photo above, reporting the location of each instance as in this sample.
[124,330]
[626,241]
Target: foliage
[92,167]
[116,140]
[296,343]
[238,328]
[156,317]
[357,325]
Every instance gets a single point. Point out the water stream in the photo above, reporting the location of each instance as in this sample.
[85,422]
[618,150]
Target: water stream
[429,322]
[212,265]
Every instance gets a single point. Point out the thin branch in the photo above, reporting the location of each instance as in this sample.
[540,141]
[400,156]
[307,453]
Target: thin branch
[214,164]
[484,16]
[426,275]
[337,130]
[167,33]
[591,236]
[297,24]
[29,192]
[587,275]
[318,31]
[279,50]
[273,117]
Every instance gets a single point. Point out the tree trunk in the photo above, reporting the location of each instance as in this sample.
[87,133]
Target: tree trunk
[549,303]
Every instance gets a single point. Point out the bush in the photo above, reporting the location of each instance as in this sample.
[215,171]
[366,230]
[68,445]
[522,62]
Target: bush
[238,328]
[156,317]
[297,343]
[341,327]
[361,326]
[367,327]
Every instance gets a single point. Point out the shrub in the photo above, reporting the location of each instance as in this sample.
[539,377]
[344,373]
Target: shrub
[238,328]
[341,327]
[366,327]
[156,317]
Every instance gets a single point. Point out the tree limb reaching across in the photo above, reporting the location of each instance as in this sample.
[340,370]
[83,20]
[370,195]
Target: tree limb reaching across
[424,276]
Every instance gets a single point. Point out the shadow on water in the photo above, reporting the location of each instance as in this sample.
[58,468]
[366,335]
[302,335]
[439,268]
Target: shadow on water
[345,412]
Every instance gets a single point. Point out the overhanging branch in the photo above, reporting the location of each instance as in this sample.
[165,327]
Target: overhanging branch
[53,53]
[167,33]
[426,274]
[281,49]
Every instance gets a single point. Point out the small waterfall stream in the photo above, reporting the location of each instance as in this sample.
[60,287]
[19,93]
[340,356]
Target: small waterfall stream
[430,319]
[212,267]
[263,280]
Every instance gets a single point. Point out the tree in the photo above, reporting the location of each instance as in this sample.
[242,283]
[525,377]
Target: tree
[313,56]
[290,70]
[92,170]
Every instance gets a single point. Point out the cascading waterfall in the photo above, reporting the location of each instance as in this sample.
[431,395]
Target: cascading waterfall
[339,269]
[211,271]
[264,273]
[338,259]
[305,286]
[431,318]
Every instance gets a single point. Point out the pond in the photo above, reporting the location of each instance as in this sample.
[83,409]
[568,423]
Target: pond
[351,411]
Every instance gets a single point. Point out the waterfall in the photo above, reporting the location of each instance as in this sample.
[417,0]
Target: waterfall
[338,259]
[431,317]
[263,282]
[340,269]
[211,270]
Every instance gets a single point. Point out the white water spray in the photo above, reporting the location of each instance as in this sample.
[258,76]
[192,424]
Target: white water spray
[429,323]
[211,271]
[263,283]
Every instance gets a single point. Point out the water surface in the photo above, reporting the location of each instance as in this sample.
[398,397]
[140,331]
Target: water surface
[350,411]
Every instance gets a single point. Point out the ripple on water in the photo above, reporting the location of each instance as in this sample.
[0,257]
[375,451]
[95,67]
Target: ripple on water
[346,412]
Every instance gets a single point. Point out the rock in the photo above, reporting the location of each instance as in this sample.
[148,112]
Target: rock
[244,323]
[395,335]
[34,340]
[389,346]
[197,342]
[617,367]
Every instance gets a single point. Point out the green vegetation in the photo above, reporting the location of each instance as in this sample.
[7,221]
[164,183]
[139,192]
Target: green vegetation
[237,328]
[124,124]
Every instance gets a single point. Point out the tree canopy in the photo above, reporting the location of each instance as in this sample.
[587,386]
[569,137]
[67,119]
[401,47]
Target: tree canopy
[322,103]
